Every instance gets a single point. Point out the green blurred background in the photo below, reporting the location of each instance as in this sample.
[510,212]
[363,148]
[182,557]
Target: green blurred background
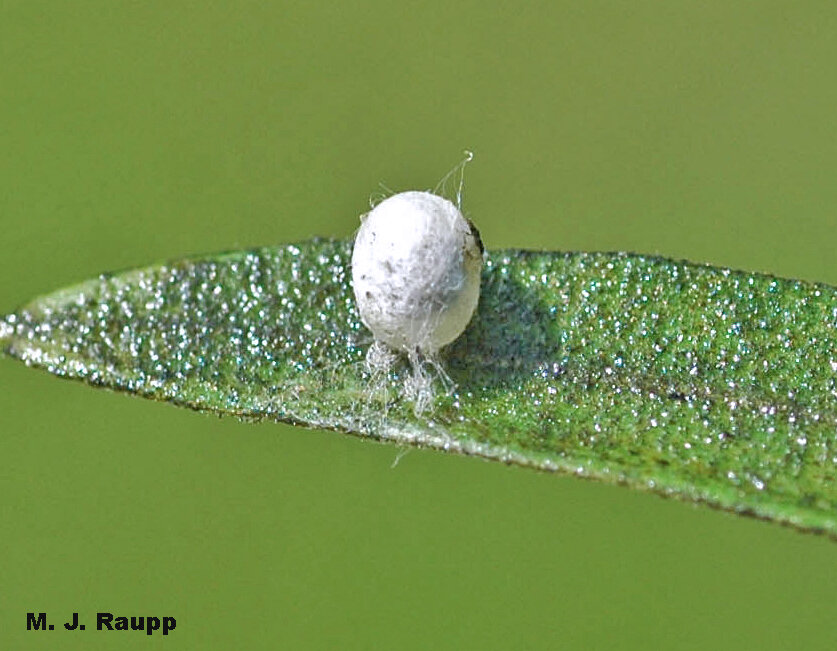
[134,132]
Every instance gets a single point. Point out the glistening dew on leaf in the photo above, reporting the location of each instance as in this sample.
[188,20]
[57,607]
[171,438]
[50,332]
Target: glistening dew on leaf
[416,269]
[697,382]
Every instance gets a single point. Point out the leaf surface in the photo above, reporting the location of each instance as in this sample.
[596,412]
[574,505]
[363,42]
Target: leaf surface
[692,381]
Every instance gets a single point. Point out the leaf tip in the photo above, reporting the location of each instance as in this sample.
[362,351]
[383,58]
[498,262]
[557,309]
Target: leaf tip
[7,329]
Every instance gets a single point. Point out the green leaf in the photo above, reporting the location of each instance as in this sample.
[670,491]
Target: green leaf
[706,384]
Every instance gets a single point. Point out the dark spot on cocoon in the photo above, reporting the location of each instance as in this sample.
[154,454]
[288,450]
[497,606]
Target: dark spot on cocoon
[476,235]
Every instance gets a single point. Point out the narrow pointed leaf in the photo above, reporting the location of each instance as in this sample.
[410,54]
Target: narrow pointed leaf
[691,381]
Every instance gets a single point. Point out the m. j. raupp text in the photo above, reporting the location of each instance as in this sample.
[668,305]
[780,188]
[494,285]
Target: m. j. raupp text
[106,622]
